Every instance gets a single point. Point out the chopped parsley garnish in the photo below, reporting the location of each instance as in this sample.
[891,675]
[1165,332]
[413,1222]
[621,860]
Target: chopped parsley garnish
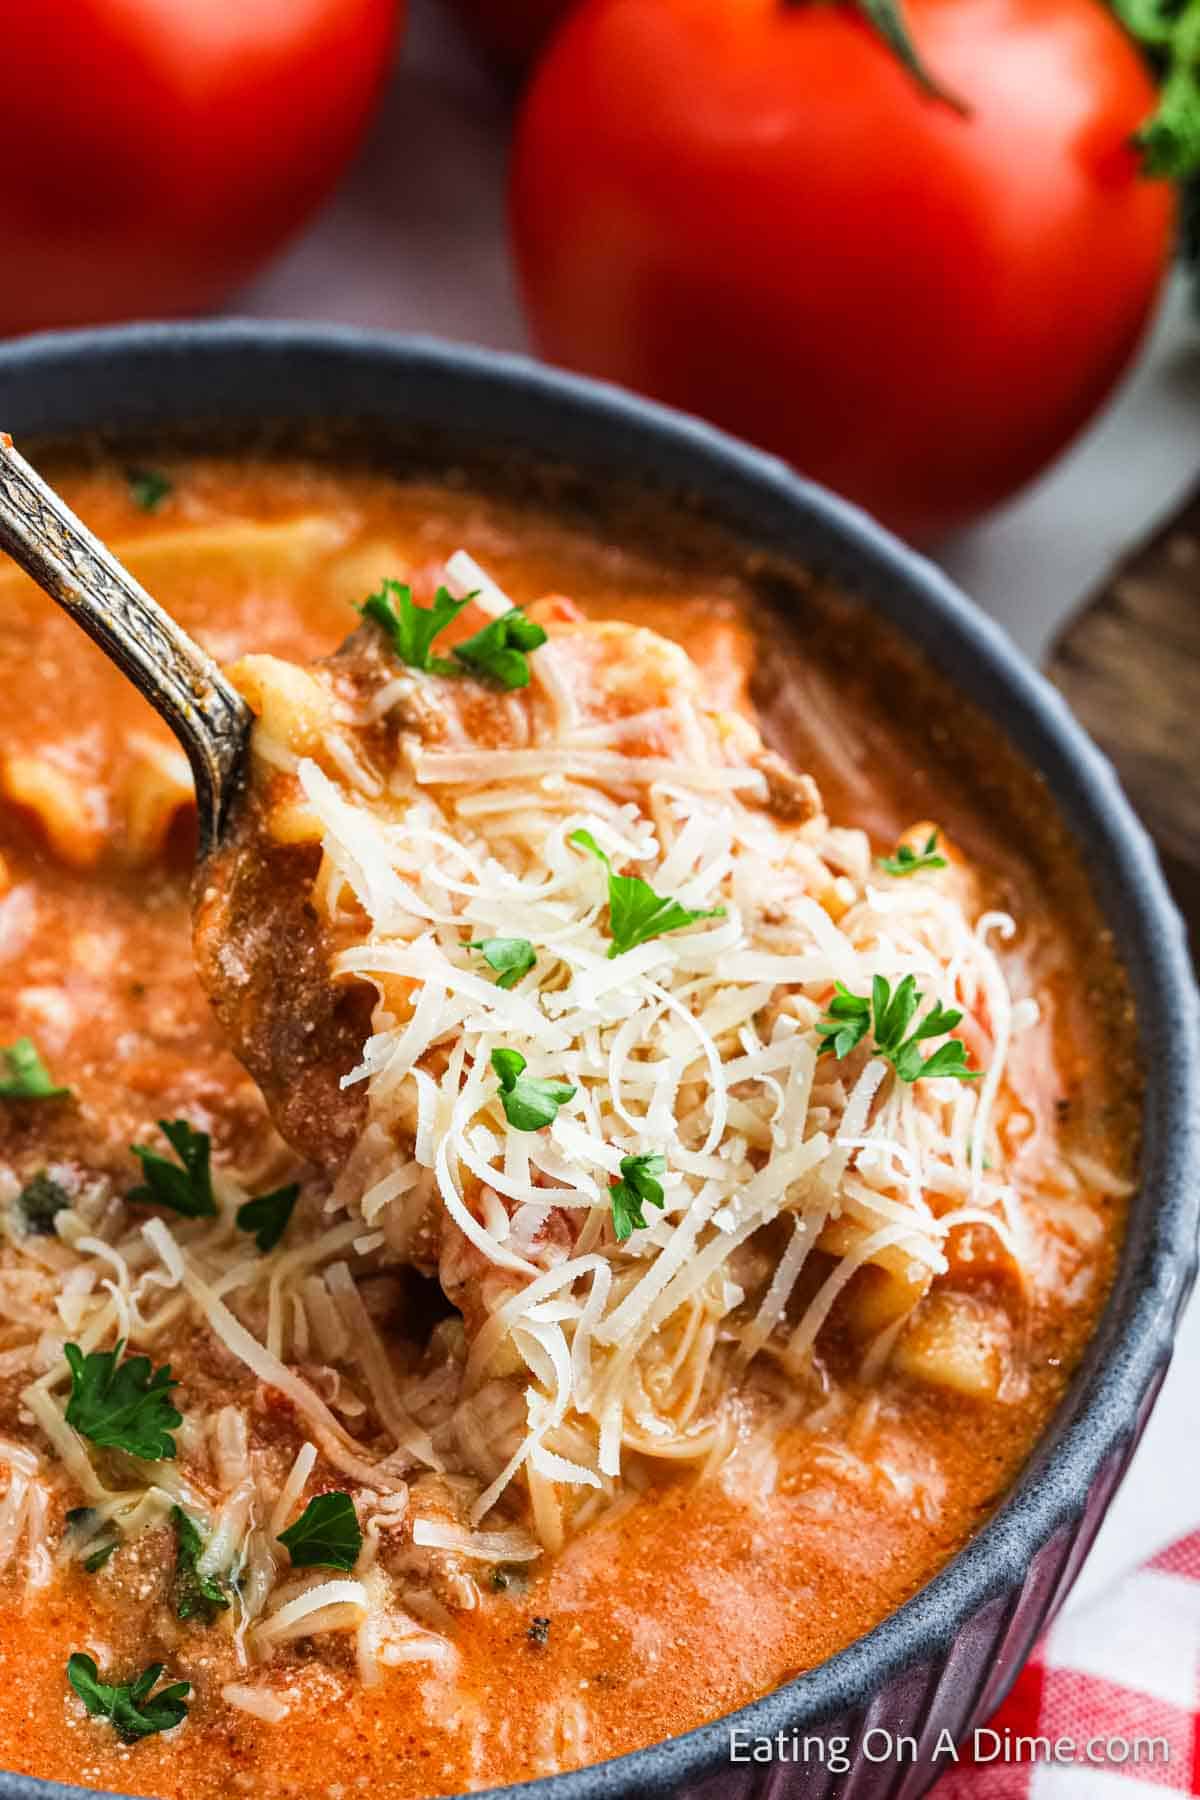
[638,1187]
[501,649]
[197,1596]
[269,1215]
[635,912]
[907,861]
[40,1202]
[25,1076]
[327,1534]
[149,488]
[848,1019]
[96,1561]
[185,1186]
[530,1103]
[122,1405]
[411,628]
[134,1711]
[510,957]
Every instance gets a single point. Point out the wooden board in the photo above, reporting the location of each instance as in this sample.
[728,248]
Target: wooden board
[1129,666]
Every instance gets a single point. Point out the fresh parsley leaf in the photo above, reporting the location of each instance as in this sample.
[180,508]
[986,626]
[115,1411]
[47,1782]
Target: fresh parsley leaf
[410,628]
[847,1021]
[530,1103]
[889,1014]
[40,1201]
[635,912]
[96,1561]
[907,861]
[186,1186]
[501,649]
[197,1596]
[122,1405]
[134,1711]
[637,1187]
[326,1535]
[149,488]
[510,957]
[269,1215]
[26,1075]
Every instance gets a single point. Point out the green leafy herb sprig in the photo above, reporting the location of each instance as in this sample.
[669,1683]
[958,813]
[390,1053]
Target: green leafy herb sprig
[635,912]
[907,861]
[24,1076]
[134,1711]
[197,1596]
[530,1102]
[327,1534]
[184,1186]
[849,1017]
[269,1215]
[510,957]
[639,1186]
[500,650]
[410,628]
[122,1405]
[148,488]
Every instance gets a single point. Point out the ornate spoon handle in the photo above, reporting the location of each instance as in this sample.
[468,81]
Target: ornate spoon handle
[210,719]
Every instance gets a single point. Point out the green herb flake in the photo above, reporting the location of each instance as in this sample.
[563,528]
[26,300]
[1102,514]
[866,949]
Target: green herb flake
[40,1201]
[530,1103]
[269,1216]
[501,650]
[122,1405]
[185,1186]
[148,488]
[539,1631]
[889,1015]
[510,957]
[134,1711]
[197,1596]
[638,1187]
[635,912]
[327,1534]
[907,861]
[96,1561]
[26,1076]
[410,628]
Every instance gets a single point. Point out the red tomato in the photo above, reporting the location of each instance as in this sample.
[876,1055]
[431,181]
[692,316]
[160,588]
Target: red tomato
[159,150]
[512,31]
[748,208]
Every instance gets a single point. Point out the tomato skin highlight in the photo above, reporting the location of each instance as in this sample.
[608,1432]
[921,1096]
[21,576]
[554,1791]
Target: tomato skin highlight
[748,209]
[164,150]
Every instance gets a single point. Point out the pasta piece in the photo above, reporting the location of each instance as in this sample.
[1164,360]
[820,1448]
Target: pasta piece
[70,815]
[958,1342]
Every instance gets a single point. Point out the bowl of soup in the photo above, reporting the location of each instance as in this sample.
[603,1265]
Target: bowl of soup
[619,1230]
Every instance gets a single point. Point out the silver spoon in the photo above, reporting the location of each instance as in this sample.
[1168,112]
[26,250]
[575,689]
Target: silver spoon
[209,717]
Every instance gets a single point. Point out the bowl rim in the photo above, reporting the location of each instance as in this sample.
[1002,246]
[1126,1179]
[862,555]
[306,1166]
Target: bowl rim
[1100,1411]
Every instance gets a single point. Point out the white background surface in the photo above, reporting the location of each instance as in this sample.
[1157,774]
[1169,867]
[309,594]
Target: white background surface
[415,241]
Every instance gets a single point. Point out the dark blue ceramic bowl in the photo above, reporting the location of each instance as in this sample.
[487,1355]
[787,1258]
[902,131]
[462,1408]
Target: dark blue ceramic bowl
[941,1663]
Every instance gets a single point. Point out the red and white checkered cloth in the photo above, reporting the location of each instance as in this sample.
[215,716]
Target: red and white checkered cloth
[1122,1668]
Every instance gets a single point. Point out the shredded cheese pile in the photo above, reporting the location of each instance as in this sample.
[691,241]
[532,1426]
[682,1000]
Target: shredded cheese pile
[700,1045]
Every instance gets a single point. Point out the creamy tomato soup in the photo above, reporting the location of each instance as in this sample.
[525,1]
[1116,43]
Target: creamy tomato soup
[611,1198]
